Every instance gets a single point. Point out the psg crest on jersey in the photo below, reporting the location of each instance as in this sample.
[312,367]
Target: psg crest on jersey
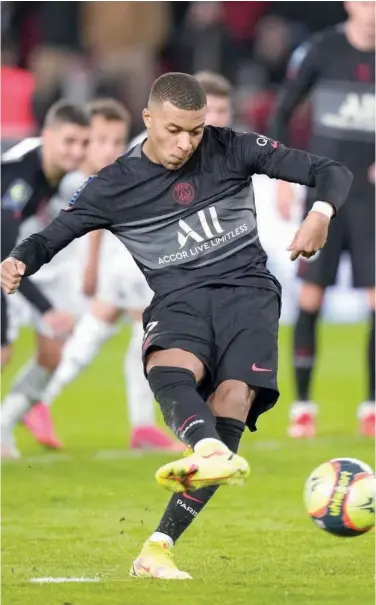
[80,189]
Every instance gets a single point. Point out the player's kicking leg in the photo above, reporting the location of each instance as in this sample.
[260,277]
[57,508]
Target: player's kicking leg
[214,441]
[214,464]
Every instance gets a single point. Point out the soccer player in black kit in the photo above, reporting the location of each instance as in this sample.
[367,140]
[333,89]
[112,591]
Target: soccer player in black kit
[30,174]
[336,68]
[181,203]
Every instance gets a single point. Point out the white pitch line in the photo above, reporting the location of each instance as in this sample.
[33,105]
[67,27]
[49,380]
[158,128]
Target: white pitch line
[48,458]
[266,445]
[50,580]
[104,455]
[119,454]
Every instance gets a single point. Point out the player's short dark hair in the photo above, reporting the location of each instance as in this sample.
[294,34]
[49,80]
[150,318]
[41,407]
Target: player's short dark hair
[65,112]
[109,109]
[214,84]
[182,90]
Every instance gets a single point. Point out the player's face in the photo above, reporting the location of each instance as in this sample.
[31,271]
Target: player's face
[174,133]
[107,142]
[363,15]
[66,145]
[219,111]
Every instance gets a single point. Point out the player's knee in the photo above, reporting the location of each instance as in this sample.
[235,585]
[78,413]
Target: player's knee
[176,358]
[311,297]
[232,399]
[49,352]
[104,311]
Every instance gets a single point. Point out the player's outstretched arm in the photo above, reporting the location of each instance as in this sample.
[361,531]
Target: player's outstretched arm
[252,153]
[85,213]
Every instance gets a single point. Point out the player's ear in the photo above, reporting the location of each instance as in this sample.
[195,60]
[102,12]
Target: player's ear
[146,116]
[45,135]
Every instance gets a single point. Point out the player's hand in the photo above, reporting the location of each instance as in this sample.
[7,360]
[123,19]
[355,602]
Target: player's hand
[311,236]
[11,273]
[285,200]
[59,323]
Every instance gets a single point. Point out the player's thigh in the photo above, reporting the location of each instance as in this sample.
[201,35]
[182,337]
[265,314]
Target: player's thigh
[361,235]
[321,270]
[246,338]
[180,334]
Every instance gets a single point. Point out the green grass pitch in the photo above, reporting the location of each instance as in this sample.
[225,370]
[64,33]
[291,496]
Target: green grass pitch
[85,512]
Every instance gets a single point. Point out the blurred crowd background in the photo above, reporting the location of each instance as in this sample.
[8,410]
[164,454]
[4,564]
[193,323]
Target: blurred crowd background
[85,50]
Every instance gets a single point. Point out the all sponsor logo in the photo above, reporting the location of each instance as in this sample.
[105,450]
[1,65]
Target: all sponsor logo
[207,235]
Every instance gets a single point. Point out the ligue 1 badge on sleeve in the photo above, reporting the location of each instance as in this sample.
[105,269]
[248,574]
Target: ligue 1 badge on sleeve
[79,191]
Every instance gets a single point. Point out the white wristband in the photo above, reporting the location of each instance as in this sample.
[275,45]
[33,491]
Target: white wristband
[323,207]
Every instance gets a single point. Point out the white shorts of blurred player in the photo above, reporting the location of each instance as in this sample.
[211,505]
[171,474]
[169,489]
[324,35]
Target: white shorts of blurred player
[121,283]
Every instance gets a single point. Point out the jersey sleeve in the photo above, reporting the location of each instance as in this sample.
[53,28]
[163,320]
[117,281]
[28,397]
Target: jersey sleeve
[252,153]
[302,72]
[89,209]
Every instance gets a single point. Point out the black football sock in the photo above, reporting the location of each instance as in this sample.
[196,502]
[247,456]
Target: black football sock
[184,411]
[371,360]
[304,352]
[183,508]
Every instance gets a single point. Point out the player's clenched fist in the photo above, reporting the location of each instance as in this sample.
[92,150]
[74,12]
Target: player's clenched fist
[11,273]
[311,236]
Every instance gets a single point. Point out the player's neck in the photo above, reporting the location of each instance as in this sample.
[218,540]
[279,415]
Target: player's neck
[148,150]
[357,38]
[51,172]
